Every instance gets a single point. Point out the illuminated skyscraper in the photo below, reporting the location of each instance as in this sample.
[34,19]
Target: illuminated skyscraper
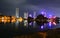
[17,16]
[44,13]
[17,12]
[25,15]
[34,15]
[25,21]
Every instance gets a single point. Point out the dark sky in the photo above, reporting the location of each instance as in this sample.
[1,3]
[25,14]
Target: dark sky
[7,7]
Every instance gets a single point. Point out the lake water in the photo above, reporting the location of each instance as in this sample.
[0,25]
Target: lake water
[26,27]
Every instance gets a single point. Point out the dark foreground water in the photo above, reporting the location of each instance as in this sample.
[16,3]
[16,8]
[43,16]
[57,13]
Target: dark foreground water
[12,29]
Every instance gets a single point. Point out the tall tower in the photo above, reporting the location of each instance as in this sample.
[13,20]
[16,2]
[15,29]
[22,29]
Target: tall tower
[25,16]
[17,12]
[17,16]
[34,16]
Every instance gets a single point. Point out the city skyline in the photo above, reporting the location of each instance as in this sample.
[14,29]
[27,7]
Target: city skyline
[51,6]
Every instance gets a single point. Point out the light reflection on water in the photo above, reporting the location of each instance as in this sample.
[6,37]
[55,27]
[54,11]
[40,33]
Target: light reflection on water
[29,27]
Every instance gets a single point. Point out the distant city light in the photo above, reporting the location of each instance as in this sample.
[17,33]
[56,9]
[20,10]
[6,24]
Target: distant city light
[54,17]
[42,27]
[25,22]
[50,16]
[8,21]
[51,19]
[2,19]
[25,15]
[20,19]
[30,15]
[30,23]
[54,23]
[42,13]
[50,23]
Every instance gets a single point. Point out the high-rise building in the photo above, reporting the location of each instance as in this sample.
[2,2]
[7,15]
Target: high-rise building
[17,12]
[34,15]
[25,21]
[25,15]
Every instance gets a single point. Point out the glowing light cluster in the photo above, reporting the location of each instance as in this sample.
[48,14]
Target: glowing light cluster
[9,19]
[42,27]
[20,19]
[52,20]
[30,15]
[13,19]
[6,19]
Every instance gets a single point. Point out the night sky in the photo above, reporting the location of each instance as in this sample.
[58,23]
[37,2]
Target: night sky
[7,7]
